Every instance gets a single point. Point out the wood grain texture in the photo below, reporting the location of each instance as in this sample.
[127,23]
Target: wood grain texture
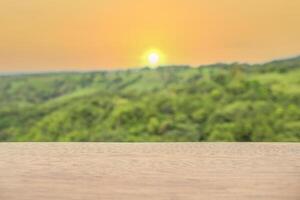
[163,171]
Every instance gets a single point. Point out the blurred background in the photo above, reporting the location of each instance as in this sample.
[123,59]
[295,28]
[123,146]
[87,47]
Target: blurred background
[150,70]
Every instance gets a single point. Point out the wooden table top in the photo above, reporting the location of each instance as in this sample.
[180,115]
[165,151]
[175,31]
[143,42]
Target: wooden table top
[144,171]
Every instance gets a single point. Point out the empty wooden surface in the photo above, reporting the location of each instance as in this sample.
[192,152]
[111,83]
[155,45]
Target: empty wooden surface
[172,171]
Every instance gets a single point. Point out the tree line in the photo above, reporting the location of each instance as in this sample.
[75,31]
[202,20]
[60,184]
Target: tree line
[221,102]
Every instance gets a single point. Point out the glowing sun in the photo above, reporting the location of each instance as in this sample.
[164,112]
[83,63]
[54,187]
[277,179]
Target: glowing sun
[153,58]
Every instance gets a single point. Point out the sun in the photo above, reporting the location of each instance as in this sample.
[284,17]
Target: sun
[153,58]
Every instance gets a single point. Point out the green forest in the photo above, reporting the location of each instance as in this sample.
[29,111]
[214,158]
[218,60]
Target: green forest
[220,102]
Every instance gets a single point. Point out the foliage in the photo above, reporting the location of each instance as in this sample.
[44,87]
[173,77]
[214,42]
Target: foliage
[222,102]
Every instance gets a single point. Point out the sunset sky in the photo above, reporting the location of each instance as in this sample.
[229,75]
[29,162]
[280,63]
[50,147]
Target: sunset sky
[45,35]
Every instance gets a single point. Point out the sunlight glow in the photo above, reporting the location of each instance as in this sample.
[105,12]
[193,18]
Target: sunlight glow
[153,58]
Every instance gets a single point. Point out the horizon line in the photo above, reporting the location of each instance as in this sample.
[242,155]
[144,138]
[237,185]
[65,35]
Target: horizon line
[107,69]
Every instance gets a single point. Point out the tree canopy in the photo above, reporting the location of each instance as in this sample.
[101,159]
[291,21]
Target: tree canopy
[221,102]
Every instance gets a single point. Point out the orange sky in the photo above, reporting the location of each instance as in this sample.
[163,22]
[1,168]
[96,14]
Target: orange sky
[95,34]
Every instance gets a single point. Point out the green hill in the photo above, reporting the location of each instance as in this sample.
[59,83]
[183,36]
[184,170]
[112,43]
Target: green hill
[221,102]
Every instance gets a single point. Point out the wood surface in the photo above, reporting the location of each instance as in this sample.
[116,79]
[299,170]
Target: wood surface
[150,171]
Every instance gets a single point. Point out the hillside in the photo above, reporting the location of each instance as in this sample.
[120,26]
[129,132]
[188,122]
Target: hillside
[221,102]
